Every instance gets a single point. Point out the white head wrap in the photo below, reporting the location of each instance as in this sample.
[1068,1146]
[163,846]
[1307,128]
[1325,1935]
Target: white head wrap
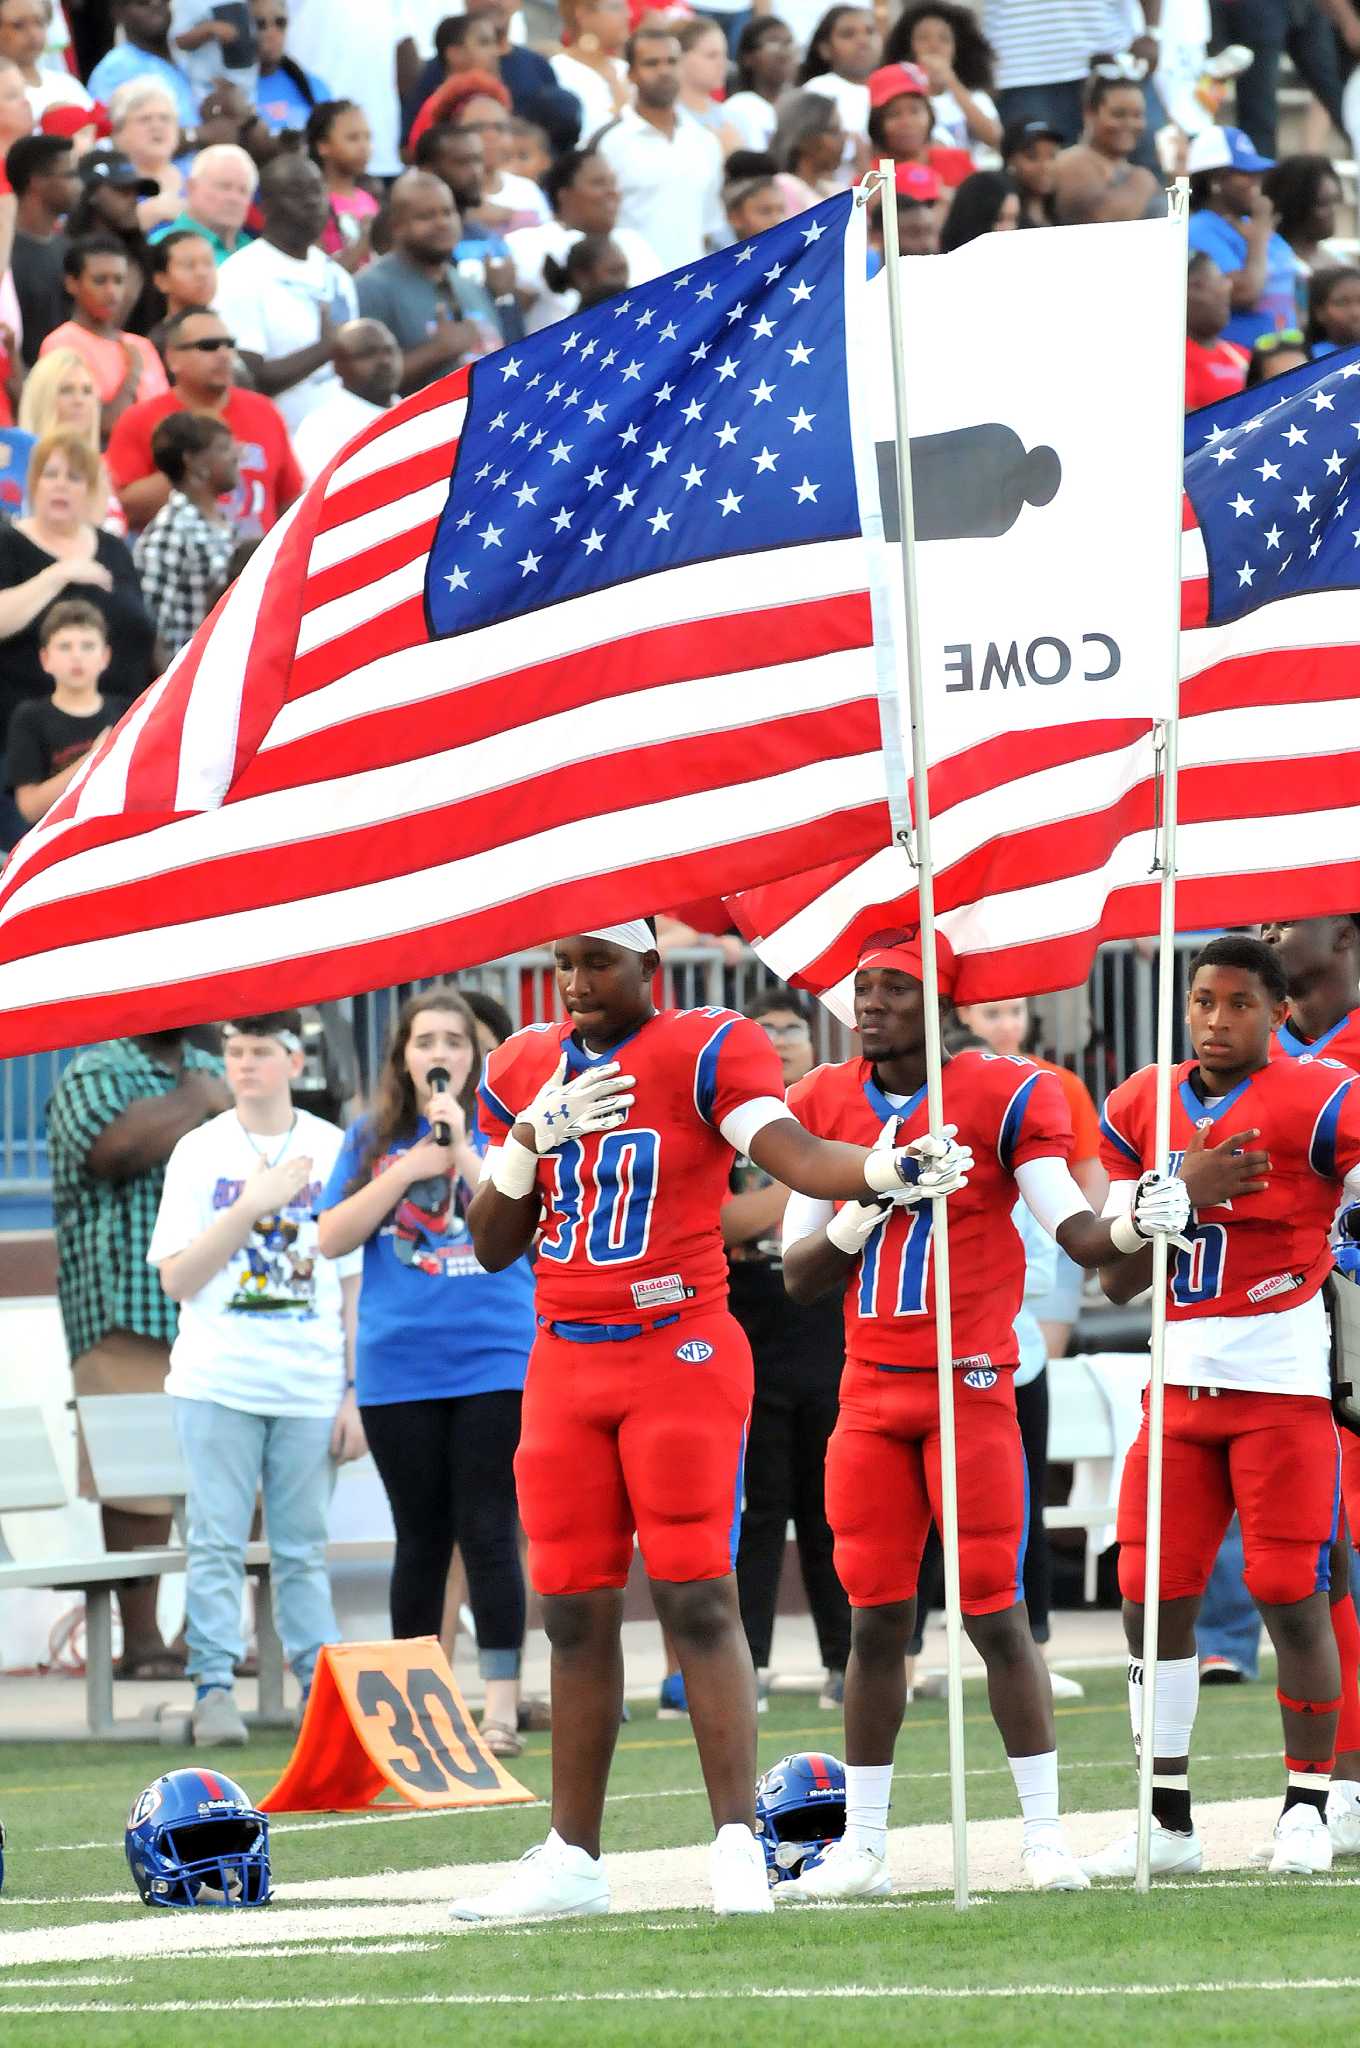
[637,936]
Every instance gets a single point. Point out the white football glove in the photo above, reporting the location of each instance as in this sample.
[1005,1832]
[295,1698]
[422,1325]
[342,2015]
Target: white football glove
[918,1172]
[851,1227]
[594,1101]
[1161,1208]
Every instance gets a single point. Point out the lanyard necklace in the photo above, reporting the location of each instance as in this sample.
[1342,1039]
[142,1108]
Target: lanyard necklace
[262,1151]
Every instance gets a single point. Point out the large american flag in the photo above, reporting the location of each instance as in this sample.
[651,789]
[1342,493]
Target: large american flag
[570,636]
[1269,696]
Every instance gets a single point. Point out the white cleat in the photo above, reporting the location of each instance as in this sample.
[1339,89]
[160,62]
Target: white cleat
[1303,1846]
[736,1869]
[1343,1819]
[1065,1688]
[1051,1867]
[552,1882]
[845,1872]
[1173,1855]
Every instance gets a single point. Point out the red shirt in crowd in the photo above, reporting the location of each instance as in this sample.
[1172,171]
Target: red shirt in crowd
[270,477]
[1213,370]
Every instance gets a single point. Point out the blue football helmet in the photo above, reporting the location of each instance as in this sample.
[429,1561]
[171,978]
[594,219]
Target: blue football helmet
[194,1839]
[800,1812]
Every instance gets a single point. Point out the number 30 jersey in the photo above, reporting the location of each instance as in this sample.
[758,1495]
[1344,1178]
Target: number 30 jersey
[630,1216]
[1009,1111]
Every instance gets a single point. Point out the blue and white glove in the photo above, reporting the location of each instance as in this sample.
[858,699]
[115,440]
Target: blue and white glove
[920,1171]
[1161,1208]
[597,1100]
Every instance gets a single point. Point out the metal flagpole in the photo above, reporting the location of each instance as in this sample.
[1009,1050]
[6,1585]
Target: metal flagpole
[920,857]
[1166,756]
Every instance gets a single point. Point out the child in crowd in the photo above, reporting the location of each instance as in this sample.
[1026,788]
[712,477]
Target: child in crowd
[185,274]
[49,737]
[595,268]
[1333,311]
[341,142]
[530,151]
[754,202]
[183,554]
[125,367]
[261,1373]
[1214,367]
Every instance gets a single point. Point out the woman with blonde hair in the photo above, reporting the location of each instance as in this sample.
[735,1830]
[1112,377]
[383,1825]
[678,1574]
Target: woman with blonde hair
[144,122]
[59,396]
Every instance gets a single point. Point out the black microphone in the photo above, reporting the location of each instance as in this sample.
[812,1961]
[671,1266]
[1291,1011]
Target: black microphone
[438,1078]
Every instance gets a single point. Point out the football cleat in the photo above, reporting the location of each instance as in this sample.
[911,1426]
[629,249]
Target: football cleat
[1065,1688]
[1051,1867]
[736,1869]
[1173,1855]
[845,1872]
[1343,1818]
[552,1882]
[194,1839]
[1303,1846]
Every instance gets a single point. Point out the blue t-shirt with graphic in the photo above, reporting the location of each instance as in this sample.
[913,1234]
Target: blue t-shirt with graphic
[432,1323]
[1278,304]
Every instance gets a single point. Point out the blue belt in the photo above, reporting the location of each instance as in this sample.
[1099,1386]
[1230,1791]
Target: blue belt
[604,1333]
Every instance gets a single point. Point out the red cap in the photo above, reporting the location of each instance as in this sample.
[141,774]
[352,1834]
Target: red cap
[901,950]
[890,81]
[69,120]
[918,182]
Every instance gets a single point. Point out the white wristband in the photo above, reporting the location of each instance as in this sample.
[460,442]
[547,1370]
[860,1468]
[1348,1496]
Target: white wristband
[516,1171]
[881,1176]
[1126,1236]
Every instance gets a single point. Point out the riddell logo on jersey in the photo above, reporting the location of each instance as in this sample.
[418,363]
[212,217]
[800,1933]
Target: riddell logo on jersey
[1279,1283]
[656,1293]
[694,1351]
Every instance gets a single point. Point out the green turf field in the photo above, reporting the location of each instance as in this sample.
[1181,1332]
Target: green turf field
[1234,1958]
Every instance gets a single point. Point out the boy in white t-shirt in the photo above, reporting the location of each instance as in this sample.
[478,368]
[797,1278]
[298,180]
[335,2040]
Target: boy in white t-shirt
[262,1370]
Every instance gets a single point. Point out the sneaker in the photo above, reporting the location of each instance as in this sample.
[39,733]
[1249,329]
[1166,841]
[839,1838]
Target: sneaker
[1220,1671]
[1065,1688]
[1303,1845]
[845,1872]
[1343,1818]
[762,1692]
[736,1869]
[672,1704]
[833,1692]
[1173,1855]
[552,1882]
[216,1721]
[1051,1867]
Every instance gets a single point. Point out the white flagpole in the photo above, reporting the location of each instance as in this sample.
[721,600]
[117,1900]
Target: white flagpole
[939,1253]
[1167,762]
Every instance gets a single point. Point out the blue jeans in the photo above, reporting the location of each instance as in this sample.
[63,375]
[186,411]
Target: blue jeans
[1229,1624]
[230,1456]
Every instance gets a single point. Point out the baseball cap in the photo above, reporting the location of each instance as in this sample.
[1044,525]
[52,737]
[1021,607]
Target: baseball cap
[917,182]
[107,166]
[1020,134]
[69,120]
[890,81]
[1225,149]
[901,951]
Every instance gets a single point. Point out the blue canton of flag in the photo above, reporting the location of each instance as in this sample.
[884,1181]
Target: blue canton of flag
[703,415]
[1274,477]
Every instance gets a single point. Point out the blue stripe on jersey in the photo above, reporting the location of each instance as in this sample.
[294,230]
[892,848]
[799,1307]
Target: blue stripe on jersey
[885,1110]
[706,1073]
[579,1061]
[1289,1041]
[493,1104]
[868,1272]
[1322,1144]
[1199,1112]
[1012,1121]
[1119,1141]
[734,1532]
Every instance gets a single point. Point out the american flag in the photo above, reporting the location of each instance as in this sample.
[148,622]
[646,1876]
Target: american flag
[1269,739]
[575,634]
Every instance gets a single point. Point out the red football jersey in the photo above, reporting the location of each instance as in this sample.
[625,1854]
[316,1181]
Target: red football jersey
[1342,1043]
[630,1216]
[1259,1253]
[1009,1111]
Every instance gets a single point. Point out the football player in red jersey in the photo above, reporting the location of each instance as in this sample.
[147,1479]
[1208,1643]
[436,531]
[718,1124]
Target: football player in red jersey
[1248,1416]
[1321,961]
[639,1385]
[883,1466]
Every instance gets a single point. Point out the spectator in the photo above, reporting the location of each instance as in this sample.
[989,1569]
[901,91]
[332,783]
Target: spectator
[111,190]
[1269,29]
[182,555]
[184,272]
[1214,368]
[584,195]
[23,40]
[1275,355]
[440,319]
[766,62]
[49,737]
[42,174]
[1333,311]
[753,203]
[261,1371]
[483,255]
[56,545]
[1031,1412]
[143,54]
[124,366]
[474,100]
[901,123]
[985,204]
[1029,152]
[808,145]
[442,1346]
[798,1354]
[368,367]
[214,39]
[703,78]
[534,93]
[145,127]
[590,64]
[595,269]
[340,143]
[531,153]
[200,353]
[1043,54]
[117,1114]
[367,63]
[1097,179]
[959,62]
[284,94]
[1232,220]
[218,196]
[844,49]
[669,168]
[1305,192]
[920,216]
[59,397]
[283,297]
[16,116]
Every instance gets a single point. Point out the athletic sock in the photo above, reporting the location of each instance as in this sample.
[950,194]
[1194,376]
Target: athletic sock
[1036,1787]
[1346,1629]
[1173,1725]
[1171,1803]
[1307,1785]
[868,1791]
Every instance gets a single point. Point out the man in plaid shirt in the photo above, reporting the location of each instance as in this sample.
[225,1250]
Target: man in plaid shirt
[184,555]
[116,1116]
